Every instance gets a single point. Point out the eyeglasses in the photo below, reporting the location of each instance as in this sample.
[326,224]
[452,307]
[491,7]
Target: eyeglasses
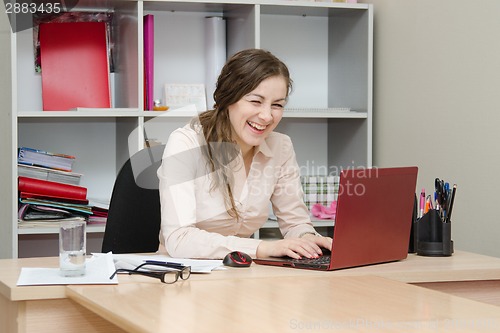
[184,271]
[165,276]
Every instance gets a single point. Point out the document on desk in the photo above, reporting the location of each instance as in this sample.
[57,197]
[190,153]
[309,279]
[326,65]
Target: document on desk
[98,270]
[131,261]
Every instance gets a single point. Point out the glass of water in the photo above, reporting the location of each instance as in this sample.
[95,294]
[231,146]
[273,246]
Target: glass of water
[72,247]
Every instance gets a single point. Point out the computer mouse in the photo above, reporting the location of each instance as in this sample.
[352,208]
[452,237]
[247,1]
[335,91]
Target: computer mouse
[237,259]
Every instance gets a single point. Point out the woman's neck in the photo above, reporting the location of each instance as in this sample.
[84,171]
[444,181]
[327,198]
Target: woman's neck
[247,158]
[247,151]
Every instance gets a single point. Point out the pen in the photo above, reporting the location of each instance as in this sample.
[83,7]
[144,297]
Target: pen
[166,263]
[422,202]
[448,218]
[446,202]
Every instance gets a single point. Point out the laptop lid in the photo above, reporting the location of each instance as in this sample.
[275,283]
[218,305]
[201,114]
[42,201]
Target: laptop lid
[374,215]
[373,219]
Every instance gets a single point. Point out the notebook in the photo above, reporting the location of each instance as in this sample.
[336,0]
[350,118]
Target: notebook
[372,223]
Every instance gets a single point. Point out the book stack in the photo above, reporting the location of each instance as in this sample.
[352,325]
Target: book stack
[48,174]
[35,163]
[49,191]
[43,202]
[99,212]
[45,159]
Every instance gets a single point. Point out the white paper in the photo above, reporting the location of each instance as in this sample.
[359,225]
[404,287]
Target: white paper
[131,261]
[178,95]
[98,270]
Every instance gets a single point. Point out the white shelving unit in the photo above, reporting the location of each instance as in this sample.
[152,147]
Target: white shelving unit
[327,46]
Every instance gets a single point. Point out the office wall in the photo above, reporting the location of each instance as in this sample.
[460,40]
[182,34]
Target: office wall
[437,104]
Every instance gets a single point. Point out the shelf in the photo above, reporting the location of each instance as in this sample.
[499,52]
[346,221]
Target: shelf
[273,224]
[55,230]
[324,113]
[308,8]
[107,113]
[95,113]
[316,222]
[133,113]
[298,8]
[169,114]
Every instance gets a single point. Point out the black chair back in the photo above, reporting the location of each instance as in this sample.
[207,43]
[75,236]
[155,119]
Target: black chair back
[133,223]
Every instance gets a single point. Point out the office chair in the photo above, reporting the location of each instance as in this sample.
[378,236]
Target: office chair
[133,223]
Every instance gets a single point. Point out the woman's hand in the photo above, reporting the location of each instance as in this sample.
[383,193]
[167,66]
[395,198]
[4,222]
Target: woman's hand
[308,246]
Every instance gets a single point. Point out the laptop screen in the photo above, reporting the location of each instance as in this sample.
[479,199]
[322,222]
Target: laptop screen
[374,214]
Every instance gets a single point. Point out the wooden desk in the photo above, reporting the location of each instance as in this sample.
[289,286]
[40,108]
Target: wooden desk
[288,304]
[47,308]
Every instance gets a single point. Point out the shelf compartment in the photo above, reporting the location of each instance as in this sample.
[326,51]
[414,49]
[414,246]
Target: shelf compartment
[124,81]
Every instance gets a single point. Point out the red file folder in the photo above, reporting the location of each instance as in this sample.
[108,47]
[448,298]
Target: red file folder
[49,188]
[75,69]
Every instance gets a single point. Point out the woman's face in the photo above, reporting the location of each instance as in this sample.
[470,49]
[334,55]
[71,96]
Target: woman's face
[258,113]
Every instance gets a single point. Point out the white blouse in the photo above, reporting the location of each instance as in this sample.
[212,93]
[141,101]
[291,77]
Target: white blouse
[194,219]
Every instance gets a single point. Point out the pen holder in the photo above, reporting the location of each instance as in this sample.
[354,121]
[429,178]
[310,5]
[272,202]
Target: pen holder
[433,236]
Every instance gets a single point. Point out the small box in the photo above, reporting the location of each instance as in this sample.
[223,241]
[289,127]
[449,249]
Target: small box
[320,190]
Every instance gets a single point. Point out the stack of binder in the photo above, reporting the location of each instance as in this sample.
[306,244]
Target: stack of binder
[44,202]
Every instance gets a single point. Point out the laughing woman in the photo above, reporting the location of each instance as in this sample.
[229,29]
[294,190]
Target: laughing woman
[221,171]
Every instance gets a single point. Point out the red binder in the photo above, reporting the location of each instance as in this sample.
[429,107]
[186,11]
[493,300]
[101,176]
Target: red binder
[24,195]
[49,188]
[75,69]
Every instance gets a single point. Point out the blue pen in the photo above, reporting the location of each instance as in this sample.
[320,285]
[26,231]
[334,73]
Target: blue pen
[166,263]
[447,194]
[436,200]
[446,202]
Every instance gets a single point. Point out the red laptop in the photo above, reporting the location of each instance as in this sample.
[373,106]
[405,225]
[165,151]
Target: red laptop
[373,220]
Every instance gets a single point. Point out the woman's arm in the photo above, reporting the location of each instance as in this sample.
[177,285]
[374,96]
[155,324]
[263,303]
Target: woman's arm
[288,197]
[300,238]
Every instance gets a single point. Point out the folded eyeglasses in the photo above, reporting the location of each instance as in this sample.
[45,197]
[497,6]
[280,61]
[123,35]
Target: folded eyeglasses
[172,275]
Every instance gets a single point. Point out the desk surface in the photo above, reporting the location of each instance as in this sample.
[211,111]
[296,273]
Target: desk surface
[261,298]
[288,304]
[462,266]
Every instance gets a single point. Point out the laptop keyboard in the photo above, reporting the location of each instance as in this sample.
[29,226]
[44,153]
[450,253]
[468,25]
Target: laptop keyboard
[323,260]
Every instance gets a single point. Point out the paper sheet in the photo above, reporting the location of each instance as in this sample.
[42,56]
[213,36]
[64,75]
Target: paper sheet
[98,270]
[130,261]
[102,265]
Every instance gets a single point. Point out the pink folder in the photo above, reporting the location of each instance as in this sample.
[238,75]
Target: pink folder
[148,62]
